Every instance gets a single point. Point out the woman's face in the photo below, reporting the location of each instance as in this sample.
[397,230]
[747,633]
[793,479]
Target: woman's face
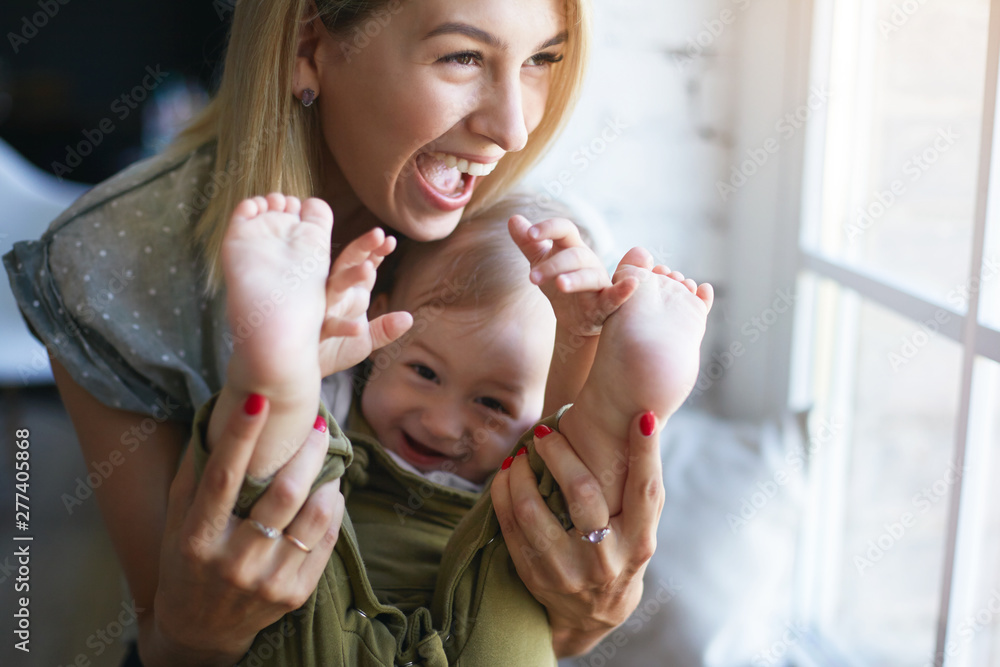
[419,102]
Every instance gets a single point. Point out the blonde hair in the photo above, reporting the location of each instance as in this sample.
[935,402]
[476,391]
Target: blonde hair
[266,141]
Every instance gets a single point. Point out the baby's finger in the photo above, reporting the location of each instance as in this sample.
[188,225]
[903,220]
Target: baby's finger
[566,261]
[533,251]
[562,232]
[339,327]
[387,328]
[583,280]
[612,298]
[344,278]
[360,249]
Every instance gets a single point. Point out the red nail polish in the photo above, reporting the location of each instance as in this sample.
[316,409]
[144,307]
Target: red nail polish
[541,431]
[647,424]
[320,424]
[254,404]
[523,450]
[506,462]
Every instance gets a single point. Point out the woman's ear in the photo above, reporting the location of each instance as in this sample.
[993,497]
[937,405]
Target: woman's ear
[306,75]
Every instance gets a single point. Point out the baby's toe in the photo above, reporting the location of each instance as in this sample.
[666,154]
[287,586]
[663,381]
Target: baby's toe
[248,208]
[317,211]
[262,204]
[676,275]
[691,285]
[276,201]
[707,294]
[293,205]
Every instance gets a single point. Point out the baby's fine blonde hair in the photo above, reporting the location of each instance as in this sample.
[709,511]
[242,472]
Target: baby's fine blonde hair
[266,141]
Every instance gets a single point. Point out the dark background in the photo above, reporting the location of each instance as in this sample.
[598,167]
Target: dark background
[64,80]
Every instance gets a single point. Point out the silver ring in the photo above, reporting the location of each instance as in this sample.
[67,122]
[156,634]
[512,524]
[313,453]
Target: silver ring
[297,542]
[594,536]
[266,531]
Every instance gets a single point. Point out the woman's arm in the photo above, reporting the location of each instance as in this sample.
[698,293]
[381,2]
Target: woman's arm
[133,499]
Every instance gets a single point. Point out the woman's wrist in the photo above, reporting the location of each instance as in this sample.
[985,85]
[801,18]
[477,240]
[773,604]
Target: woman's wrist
[158,649]
[570,638]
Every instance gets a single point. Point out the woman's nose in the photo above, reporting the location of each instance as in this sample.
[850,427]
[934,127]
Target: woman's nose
[500,114]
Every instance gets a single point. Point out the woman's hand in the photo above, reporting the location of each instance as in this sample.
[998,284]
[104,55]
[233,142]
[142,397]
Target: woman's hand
[588,589]
[221,580]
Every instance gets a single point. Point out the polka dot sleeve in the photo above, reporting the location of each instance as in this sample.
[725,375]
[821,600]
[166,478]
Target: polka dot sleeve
[114,287]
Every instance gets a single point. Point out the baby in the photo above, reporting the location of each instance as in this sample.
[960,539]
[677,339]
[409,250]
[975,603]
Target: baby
[448,401]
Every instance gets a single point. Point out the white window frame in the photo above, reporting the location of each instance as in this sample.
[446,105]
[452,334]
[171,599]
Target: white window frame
[977,339]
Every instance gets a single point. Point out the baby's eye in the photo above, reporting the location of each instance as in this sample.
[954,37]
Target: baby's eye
[424,372]
[492,404]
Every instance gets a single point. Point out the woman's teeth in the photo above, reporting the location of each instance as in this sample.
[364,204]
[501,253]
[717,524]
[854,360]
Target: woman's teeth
[466,167]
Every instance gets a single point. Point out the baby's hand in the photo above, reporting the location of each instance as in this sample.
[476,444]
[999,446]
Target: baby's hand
[347,337]
[569,274]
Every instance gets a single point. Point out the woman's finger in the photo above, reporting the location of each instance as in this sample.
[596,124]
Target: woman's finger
[182,493]
[227,466]
[520,549]
[290,487]
[541,528]
[582,490]
[318,527]
[642,502]
[323,509]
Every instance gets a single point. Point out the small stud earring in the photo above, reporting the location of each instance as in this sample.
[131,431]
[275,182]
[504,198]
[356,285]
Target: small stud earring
[308,97]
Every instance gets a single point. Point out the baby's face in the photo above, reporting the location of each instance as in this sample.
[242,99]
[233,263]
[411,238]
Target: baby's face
[462,387]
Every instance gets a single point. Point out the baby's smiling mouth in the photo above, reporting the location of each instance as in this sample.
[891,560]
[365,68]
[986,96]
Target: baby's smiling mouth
[420,453]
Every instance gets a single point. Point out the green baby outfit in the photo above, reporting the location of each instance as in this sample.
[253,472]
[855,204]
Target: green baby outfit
[420,574]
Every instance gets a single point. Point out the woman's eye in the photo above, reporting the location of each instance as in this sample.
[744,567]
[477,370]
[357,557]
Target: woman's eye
[492,404]
[466,58]
[543,59]
[423,371]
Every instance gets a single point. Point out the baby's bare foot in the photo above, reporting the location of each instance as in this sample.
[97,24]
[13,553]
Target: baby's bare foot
[647,360]
[276,259]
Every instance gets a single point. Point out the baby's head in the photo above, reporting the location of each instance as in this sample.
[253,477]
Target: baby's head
[457,391]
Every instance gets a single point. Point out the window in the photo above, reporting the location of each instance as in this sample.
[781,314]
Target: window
[899,323]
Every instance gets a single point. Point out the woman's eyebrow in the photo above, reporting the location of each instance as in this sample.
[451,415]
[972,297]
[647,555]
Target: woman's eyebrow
[480,35]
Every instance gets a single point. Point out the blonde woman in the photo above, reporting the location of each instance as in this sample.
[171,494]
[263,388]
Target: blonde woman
[401,113]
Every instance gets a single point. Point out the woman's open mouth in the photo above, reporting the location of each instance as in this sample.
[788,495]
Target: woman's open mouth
[447,181]
[420,454]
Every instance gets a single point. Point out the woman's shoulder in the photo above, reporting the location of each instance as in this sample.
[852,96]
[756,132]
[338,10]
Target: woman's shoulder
[171,190]
[115,287]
